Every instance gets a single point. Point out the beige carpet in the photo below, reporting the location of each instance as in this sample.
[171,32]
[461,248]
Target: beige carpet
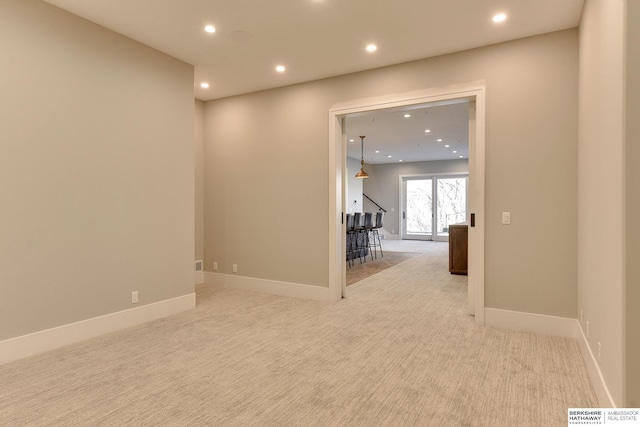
[361,270]
[398,351]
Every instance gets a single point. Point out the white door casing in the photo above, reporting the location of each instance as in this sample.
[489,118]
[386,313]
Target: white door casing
[475,94]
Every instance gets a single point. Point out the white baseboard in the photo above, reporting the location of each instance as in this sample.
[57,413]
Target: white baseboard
[595,375]
[392,237]
[198,277]
[529,322]
[49,339]
[272,287]
[556,326]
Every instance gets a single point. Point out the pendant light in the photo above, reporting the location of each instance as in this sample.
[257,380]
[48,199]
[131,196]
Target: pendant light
[362,173]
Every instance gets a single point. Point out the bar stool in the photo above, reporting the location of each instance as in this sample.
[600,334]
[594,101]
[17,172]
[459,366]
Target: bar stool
[367,228]
[376,235]
[351,240]
[359,249]
[349,243]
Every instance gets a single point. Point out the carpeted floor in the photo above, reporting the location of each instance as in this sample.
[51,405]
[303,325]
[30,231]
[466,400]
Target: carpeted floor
[398,351]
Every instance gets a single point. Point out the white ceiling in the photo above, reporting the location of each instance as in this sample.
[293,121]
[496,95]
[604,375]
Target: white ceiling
[323,38]
[315,38]
[404,138]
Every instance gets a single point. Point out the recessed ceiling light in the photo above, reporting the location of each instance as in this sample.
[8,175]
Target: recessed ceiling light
[439,139]
[499,17]
[210,29]
[447,146]
[371,47]
[427,130]
[406,116]
[280,68]
[461,157]
[351,140]
[204,85]
[454,151]
[377,151]
[389,156]
[399,160]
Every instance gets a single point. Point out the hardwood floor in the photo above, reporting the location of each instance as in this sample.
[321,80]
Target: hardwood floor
[395,252]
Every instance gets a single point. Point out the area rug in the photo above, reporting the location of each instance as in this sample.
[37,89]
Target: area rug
[363,270]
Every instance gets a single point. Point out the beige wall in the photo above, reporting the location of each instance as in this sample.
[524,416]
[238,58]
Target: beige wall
[600,190]
[266,166]
[632,194]
[199,179]
[96,170]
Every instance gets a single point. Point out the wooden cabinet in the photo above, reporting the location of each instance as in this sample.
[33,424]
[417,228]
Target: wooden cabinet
[458,248]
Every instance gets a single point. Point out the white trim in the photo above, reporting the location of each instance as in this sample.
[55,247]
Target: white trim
[273,287]
[605,400]
[49,339]
[530,322]
[474,203]
[556,326]
[434,175]
[337,189]
[342,227]
[475,92]
[476,267]
[434,95]
[198,277]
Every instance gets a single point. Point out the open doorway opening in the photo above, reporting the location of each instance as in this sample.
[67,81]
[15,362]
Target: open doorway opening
[473,96]
[415,146]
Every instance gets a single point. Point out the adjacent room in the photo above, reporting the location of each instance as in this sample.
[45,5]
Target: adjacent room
[415,185]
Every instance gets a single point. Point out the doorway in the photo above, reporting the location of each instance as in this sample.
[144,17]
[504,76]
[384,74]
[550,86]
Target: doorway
[475,95]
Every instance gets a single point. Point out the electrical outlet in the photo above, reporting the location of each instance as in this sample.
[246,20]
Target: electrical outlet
[134,297]
[215,266]
[506,218]
[599,352]
[587,329]
[235,268]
